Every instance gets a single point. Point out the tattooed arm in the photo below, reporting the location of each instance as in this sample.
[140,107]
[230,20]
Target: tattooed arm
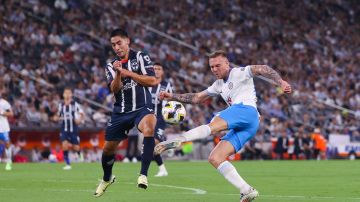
[271,74]
[193,98]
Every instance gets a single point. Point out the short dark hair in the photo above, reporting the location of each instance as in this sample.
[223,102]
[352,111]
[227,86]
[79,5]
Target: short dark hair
[67,88]
[217,53]
[119,32]
[158,64]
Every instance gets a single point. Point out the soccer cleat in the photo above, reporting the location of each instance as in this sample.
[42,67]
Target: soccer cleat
[100,190]
[67,167]
[166,145]
[125,160]
[162,173]
[8,166]
[250,196]
[142,182]
[134,160]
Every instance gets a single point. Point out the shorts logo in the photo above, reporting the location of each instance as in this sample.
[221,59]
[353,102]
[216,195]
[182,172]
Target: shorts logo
[150,110]
[230,85]
[109,123]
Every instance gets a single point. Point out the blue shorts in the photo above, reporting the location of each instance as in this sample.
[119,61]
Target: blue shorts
[120,123]
[5,137]
[159,129]
[72,137]
[243,122]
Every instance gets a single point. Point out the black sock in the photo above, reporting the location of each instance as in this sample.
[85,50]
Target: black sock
[78,152]
[147,154]
[158,160]
[107,162]
[66,157]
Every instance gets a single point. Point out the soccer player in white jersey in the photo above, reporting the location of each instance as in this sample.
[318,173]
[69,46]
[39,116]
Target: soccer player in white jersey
[5,112]
[241,118]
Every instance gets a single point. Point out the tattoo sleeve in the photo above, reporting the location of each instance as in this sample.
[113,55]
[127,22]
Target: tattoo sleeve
[185,98]
[267,72]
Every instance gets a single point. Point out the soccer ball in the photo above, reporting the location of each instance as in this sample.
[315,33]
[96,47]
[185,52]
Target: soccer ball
[173,112]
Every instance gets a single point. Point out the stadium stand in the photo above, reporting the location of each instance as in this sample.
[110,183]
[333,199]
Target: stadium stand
[47,45]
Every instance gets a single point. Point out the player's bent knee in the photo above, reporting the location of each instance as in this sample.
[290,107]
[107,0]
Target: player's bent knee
[148,132]
[109,150]
[215,160]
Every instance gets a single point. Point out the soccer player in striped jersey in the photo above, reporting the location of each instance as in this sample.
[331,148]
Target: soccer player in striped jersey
[158,104]
[128,77]
[71,115]
[5,112]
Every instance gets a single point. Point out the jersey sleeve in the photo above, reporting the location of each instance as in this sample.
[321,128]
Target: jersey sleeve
[78,108]
[146,65]
[214,89]
[59,112]
[110,73]
[247,71]
[7,106]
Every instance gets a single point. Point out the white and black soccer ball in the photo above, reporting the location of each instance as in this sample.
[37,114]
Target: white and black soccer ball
[173,112]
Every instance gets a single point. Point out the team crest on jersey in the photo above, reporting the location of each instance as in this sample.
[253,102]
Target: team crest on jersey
[230,85]
[134,65]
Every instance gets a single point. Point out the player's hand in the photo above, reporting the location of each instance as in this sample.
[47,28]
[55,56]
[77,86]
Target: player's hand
[118,65]
[165,95]
[285,86]
[125,73]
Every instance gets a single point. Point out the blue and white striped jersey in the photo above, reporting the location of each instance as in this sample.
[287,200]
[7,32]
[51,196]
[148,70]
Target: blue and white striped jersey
[158,104]
[68,114]
[132,96]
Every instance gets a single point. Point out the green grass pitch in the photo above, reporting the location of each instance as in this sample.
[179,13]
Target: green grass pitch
[282,181]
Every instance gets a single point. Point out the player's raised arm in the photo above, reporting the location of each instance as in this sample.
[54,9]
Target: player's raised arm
[144,80]
[193,98]
[147,76]
[116,84]
[271,74]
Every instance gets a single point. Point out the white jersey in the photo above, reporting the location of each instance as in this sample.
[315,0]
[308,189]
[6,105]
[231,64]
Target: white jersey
[238,88]
[4,123]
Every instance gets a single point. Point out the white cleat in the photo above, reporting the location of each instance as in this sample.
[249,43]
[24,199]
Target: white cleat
[162,173]
[67,167]
[166,145]
[8,167]
[142,182]
[250,196]
[100,190]
[125,160]
[134,160]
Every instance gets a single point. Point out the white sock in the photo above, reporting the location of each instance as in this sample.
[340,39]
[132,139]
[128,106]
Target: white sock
[231,175]
[195,134]
[162,168]
[8,155]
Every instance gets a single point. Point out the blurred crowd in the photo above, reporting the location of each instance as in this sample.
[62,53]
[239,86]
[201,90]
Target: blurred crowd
[47,45]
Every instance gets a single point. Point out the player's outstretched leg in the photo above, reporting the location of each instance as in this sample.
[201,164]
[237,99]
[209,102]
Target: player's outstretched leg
[193,134]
